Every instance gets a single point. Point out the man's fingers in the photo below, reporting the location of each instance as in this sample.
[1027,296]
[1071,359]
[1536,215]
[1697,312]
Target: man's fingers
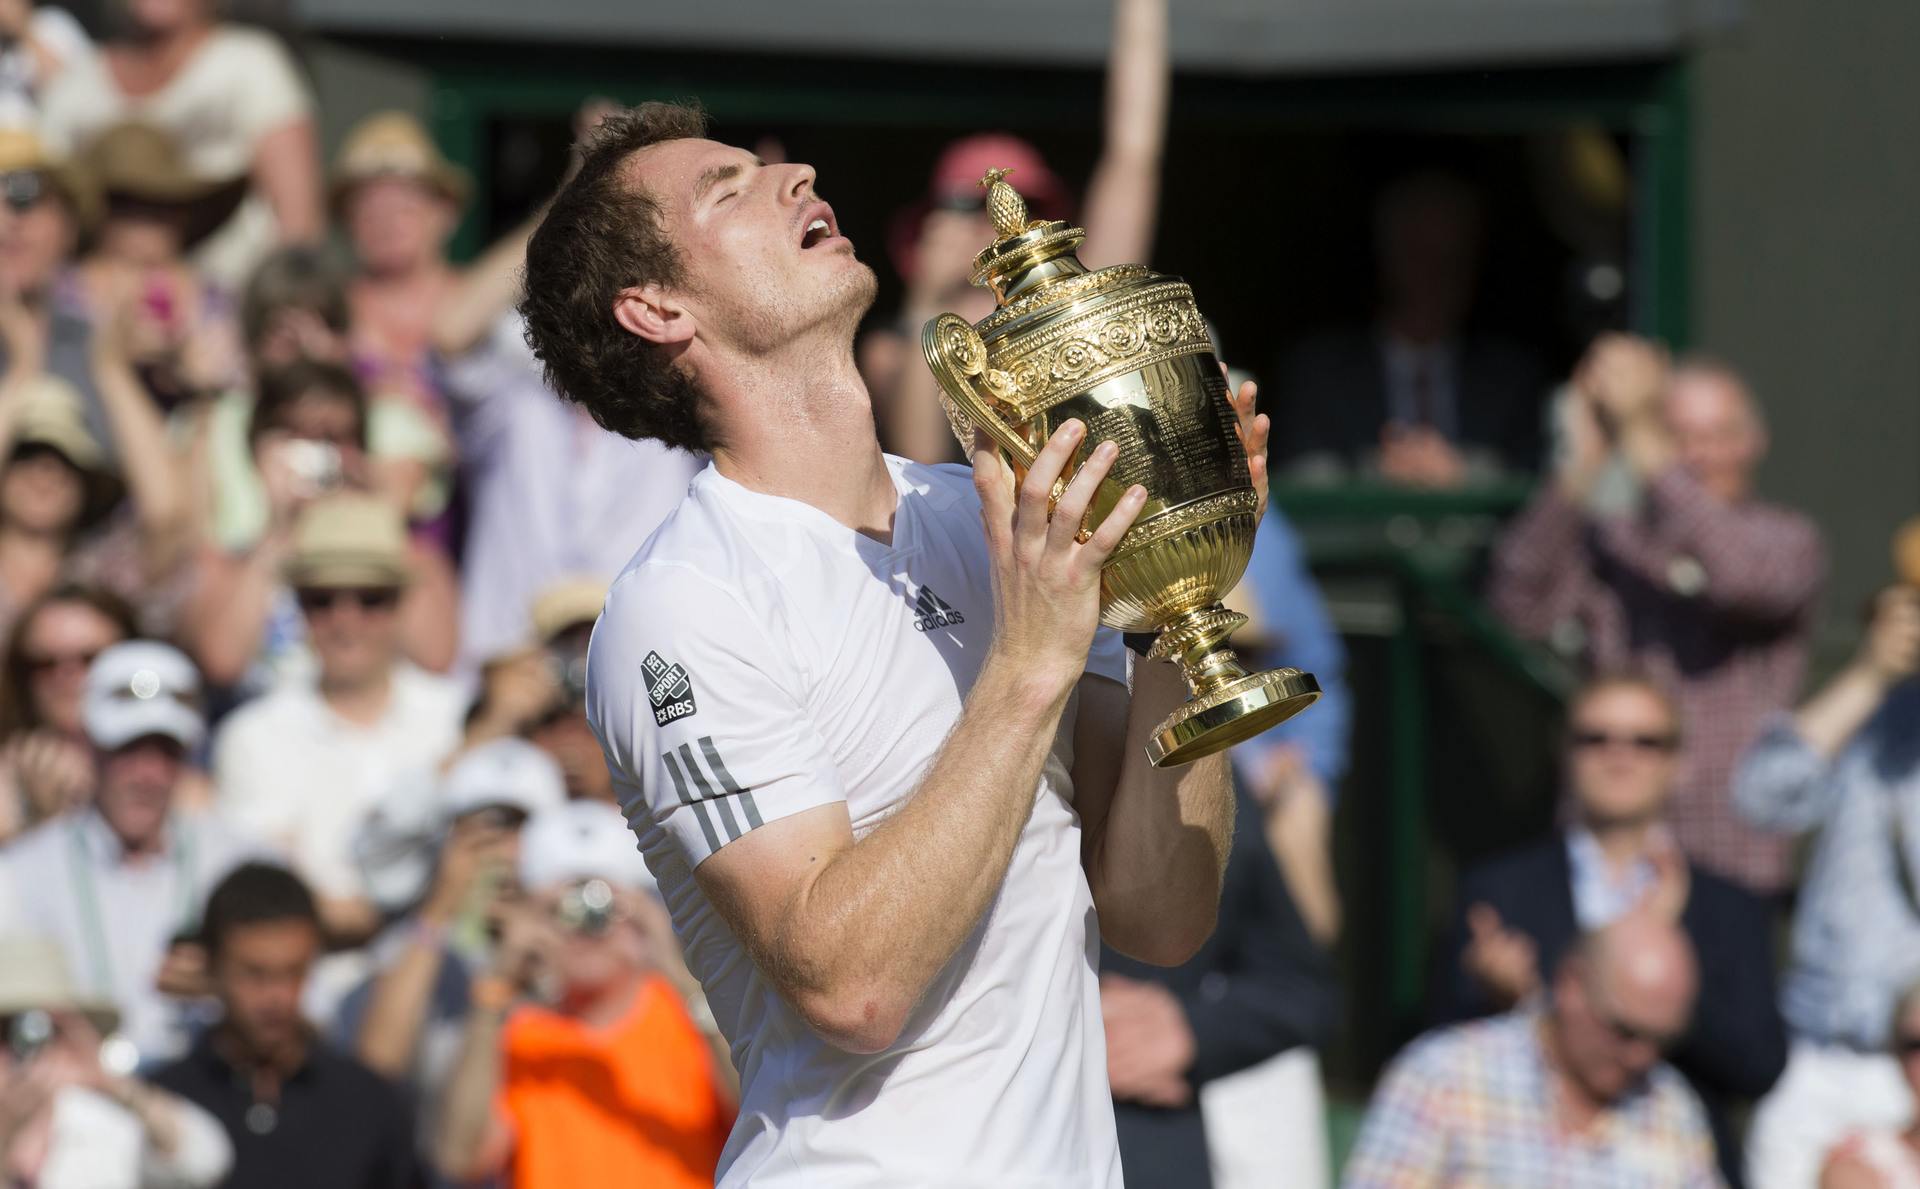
[1036,492]
[1079,494]
[1482,920]
[990,480]
[1106,538]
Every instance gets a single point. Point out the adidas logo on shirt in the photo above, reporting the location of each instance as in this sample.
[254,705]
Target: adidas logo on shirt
[931,611]
[669,688]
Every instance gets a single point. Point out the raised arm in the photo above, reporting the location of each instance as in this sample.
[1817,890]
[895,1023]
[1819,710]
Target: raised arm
[852,933]
[286,171]
[155,484]
[1787,779]
[1123,197]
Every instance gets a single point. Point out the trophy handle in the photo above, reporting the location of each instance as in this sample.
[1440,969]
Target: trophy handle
[958,359]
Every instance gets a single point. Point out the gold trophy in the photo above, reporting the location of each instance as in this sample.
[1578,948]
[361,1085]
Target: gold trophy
[1126,351]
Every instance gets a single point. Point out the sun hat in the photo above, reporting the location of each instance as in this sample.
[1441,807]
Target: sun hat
[393,144]
[139,688]
[22,151]
[349,539]
[581,840]
[34,977]
[146,164]
[566,603]
[510,773]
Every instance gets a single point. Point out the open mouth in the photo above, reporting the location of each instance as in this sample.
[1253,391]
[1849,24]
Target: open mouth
[819,226]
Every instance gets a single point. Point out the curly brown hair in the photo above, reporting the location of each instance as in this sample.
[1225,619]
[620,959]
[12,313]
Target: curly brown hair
[600,237]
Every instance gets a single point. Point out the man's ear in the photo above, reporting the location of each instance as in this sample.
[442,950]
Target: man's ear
[653,314]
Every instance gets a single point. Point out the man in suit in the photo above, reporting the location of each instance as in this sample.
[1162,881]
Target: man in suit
[1415,398]
[1519,913]
[1258,987]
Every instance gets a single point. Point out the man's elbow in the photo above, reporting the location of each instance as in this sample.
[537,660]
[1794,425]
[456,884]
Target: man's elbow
[1162,940]
[854,1019]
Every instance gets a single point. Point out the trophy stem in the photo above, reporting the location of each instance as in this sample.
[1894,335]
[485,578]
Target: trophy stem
[1229,704]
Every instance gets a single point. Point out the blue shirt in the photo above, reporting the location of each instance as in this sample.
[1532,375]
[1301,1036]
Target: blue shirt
[1290,603]
[1856,940]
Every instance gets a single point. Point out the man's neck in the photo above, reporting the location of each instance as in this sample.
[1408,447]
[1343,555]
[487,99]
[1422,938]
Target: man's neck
[810,436]
[1622,843]
[605,1006]
[135,847]
[273,1065]
[422,275]
[362,702]
[1573,1108]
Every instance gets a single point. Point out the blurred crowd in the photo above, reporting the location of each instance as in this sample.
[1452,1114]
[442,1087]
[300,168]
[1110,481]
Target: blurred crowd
[309,868]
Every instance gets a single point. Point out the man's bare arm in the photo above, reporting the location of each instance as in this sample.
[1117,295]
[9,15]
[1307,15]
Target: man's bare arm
[853,932]
[1154,841]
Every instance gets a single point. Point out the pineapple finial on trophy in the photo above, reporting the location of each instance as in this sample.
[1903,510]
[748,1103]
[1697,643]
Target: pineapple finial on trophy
[1004,205]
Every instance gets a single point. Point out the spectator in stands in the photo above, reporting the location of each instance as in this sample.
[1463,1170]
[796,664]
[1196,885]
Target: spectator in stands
[1519,914]
[1416,398]
[613,1072]
[540,691]
[399,201]
[1848,764]
[933,242]
[233,99]
[68,1115]
[1258,987]
[37,42]
[119,883]
[46,764]
[1572,1092]
[1273,1115]
[48,205]
[552,495]
[302,765]
[1885,1156]
[295,311]
[299,1114]
[61,513]
[1705,587]
[407,1021]
[306,438]
[136,261]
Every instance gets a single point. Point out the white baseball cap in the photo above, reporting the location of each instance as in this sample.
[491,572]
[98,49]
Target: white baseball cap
[506,772]
[139,688]
[581,840]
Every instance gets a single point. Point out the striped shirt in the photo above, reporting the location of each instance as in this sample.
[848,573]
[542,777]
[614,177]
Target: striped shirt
[1473,1105]
[1713,600]
[1856,938]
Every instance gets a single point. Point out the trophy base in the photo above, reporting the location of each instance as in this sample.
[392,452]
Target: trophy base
[1236,712]
[1229,704]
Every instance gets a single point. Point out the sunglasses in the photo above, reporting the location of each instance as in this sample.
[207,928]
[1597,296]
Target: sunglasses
[39,666]
[1591,740]
[1906,1046]
[22,189]
[377,598]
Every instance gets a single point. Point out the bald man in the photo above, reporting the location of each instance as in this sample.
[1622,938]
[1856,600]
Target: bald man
[1567,1090]
[1702,586]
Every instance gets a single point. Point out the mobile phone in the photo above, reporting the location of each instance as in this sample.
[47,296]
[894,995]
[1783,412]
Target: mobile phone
[315,464]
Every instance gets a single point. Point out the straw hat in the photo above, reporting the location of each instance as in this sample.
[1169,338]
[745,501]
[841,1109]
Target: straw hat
[144,163]
[51,415]
[21,151]
[33,976]
[566,603]
[392,144]
[349,539]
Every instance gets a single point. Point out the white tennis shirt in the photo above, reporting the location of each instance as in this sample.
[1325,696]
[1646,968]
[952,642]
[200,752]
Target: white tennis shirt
[756,659]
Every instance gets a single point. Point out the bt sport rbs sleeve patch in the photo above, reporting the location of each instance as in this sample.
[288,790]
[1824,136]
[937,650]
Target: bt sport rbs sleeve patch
[669,688]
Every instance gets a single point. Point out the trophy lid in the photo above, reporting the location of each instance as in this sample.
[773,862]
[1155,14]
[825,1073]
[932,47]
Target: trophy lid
[1026,251]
